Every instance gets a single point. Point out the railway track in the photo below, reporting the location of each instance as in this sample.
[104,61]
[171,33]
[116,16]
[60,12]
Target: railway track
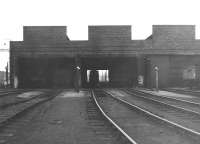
[182,117]
[12,111]
[14,118]
[15,99]
[182,103]
[12,91]
[184,91]
[105,128]
[114,120]
[144,126]
[5,89]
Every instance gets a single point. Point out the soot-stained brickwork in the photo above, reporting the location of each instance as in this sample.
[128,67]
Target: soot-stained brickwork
[48,58]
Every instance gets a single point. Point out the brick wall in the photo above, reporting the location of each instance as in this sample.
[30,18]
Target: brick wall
[171,69]
[107,35]
[45,34]
[163,63]
[173,32]
[2,77]
[178,64]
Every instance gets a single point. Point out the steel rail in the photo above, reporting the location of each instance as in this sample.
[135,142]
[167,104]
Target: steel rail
[184,91]
[166,104]
[111,121]
[27,108]
[155,116]
[170,98]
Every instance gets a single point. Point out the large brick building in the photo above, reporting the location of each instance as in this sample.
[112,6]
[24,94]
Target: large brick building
[2,78]
[48,58]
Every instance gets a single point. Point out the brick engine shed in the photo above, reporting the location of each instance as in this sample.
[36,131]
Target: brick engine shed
[47,58]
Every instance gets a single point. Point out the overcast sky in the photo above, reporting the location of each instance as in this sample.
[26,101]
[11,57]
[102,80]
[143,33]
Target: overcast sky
[77,15]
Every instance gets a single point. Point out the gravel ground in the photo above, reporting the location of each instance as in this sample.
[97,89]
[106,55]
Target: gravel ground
[63,120]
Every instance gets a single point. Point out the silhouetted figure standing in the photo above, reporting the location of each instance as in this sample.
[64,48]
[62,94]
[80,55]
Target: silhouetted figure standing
[77,79]
[94,78]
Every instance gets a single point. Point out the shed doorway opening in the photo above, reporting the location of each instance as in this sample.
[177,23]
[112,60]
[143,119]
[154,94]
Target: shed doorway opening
[97,78]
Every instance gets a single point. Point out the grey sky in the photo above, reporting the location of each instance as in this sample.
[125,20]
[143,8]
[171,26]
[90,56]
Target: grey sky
[78,14]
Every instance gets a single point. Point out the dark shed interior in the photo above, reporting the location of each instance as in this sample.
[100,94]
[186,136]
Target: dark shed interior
[46,72]
[122,70]
[61,72]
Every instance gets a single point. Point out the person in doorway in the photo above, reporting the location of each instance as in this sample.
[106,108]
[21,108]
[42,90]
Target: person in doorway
[77,79]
